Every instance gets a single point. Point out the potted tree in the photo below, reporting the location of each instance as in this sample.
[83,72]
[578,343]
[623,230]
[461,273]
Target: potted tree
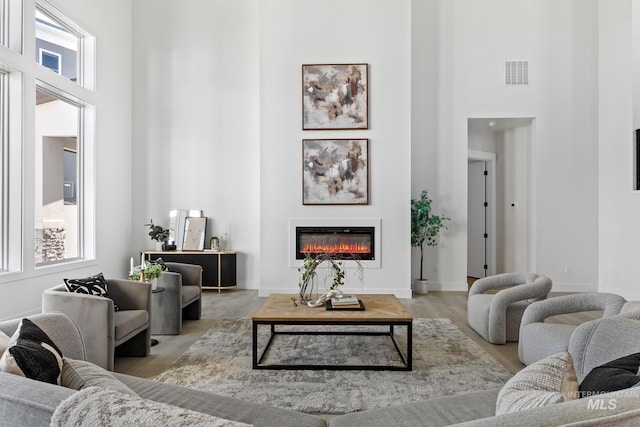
[158,234]
[425,227]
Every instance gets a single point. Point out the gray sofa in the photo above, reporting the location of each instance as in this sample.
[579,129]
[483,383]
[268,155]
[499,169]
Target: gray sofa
[24,402]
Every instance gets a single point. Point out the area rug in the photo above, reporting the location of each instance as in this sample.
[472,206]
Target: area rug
[445,362]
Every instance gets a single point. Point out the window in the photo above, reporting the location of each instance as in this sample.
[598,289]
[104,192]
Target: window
[57,230]
[59,136]
[57,45]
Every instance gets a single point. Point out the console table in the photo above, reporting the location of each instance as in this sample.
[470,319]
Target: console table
[218,268]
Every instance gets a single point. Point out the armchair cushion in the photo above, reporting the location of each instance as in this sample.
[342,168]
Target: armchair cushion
[32,354]
[129,322]
[93,285]
[616,375]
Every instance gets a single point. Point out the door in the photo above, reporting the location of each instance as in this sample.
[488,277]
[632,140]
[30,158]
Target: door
[477,232]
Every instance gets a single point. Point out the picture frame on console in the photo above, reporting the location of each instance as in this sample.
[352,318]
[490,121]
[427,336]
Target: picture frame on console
[335,96]
[335,171]
[194,233]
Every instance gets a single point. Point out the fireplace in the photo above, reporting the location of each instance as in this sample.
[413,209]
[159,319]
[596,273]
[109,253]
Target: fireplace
[345,242]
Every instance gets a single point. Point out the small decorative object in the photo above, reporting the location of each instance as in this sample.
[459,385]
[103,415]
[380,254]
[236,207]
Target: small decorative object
[215,243]
[425,227]
[158,234]
[335,96]
[335,172]
[308,277]
[147,272]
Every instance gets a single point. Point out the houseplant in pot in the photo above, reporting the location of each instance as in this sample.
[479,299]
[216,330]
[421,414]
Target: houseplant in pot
[425,227]
[158,234]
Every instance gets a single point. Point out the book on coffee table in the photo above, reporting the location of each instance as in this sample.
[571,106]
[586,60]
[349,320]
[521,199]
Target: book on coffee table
[346,307]
[344,300]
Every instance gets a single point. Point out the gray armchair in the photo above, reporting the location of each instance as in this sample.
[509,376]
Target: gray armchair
[496,316]
[180,299]
[540,338]
[107,332]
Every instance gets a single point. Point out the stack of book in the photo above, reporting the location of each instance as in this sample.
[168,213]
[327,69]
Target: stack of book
[345,302]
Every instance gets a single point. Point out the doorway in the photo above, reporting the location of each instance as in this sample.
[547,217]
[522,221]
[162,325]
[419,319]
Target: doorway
[499,196]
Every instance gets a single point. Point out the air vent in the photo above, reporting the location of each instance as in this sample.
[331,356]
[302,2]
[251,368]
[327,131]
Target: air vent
[516,73]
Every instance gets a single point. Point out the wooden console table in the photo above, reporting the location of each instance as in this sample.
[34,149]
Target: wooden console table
[218,268]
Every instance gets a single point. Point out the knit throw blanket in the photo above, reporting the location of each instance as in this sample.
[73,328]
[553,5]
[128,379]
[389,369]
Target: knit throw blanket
[99,407]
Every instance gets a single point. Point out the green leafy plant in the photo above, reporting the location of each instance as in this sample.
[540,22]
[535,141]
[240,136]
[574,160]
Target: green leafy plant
[157,233]
[336,272]
[425,225]
[151,271]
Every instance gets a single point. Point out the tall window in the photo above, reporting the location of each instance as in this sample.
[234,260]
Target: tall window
[60,134]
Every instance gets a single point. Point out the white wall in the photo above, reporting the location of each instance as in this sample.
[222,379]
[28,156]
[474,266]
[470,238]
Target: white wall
[111,24]
[619,229]
[296,32]
[559,39]
[196,116]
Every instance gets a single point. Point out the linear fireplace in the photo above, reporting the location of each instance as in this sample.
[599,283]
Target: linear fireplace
[345,242]
[361,236]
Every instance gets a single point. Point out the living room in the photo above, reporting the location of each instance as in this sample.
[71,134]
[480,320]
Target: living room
[198,106]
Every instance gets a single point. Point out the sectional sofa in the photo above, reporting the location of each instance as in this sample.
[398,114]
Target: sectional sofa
[26,402]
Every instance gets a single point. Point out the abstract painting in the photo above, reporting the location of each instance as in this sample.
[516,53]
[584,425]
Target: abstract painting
[335,96]
[335,171]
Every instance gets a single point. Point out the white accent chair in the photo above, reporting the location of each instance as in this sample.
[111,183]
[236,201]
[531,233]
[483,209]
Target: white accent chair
[496,316]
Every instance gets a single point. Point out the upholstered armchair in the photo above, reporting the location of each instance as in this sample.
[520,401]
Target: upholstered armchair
[496,316]
[540,338]
[105,331]
[181,298]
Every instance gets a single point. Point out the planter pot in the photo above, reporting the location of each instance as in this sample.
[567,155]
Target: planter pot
[421,286]
[154,284]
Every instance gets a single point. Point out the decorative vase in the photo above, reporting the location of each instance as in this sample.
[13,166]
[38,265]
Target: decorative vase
[159,245]
[421,286]
[154,284]
[308,290]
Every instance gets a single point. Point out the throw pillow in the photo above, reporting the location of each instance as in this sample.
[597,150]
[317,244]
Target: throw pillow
[98,407]
[160,262]
[545,382]
[94,285]
[32,354]
[615,375]
[80,374]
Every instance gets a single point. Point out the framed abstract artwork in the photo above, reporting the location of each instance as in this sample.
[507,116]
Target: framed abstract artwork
[335,96]
[335,171]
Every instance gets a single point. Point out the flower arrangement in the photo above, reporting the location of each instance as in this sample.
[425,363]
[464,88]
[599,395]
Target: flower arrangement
[336,272]
[151,271]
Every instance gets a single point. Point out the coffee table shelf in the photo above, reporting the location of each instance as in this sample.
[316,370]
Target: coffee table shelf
[385,310]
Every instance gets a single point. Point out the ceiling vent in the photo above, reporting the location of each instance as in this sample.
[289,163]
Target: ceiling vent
[516,73]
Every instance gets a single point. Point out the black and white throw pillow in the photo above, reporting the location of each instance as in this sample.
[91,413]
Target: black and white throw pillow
[32,354]
[160,262]
[93,285]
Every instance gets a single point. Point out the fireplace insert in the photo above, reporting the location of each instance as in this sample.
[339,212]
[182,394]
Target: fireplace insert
[343,242]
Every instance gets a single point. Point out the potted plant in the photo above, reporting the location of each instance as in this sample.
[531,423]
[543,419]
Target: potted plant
[425,227]
[336,272]
[151,273]
[158,234]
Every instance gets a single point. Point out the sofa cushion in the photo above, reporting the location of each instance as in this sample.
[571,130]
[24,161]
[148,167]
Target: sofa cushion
[129,323]
[80,374]
[98,407]
[32,354]
[93,285]
[548,381]
[4,342]
[190,294]
[618,374]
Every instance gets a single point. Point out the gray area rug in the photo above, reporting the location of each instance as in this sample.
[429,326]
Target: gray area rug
[445,362]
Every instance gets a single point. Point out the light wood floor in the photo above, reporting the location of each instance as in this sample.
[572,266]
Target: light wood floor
[243,303]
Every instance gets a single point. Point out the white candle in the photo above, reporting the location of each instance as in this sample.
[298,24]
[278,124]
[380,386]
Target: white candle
[142,262]
[131,266]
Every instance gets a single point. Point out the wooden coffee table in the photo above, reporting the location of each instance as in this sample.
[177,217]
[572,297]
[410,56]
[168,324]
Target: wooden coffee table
[384,310]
